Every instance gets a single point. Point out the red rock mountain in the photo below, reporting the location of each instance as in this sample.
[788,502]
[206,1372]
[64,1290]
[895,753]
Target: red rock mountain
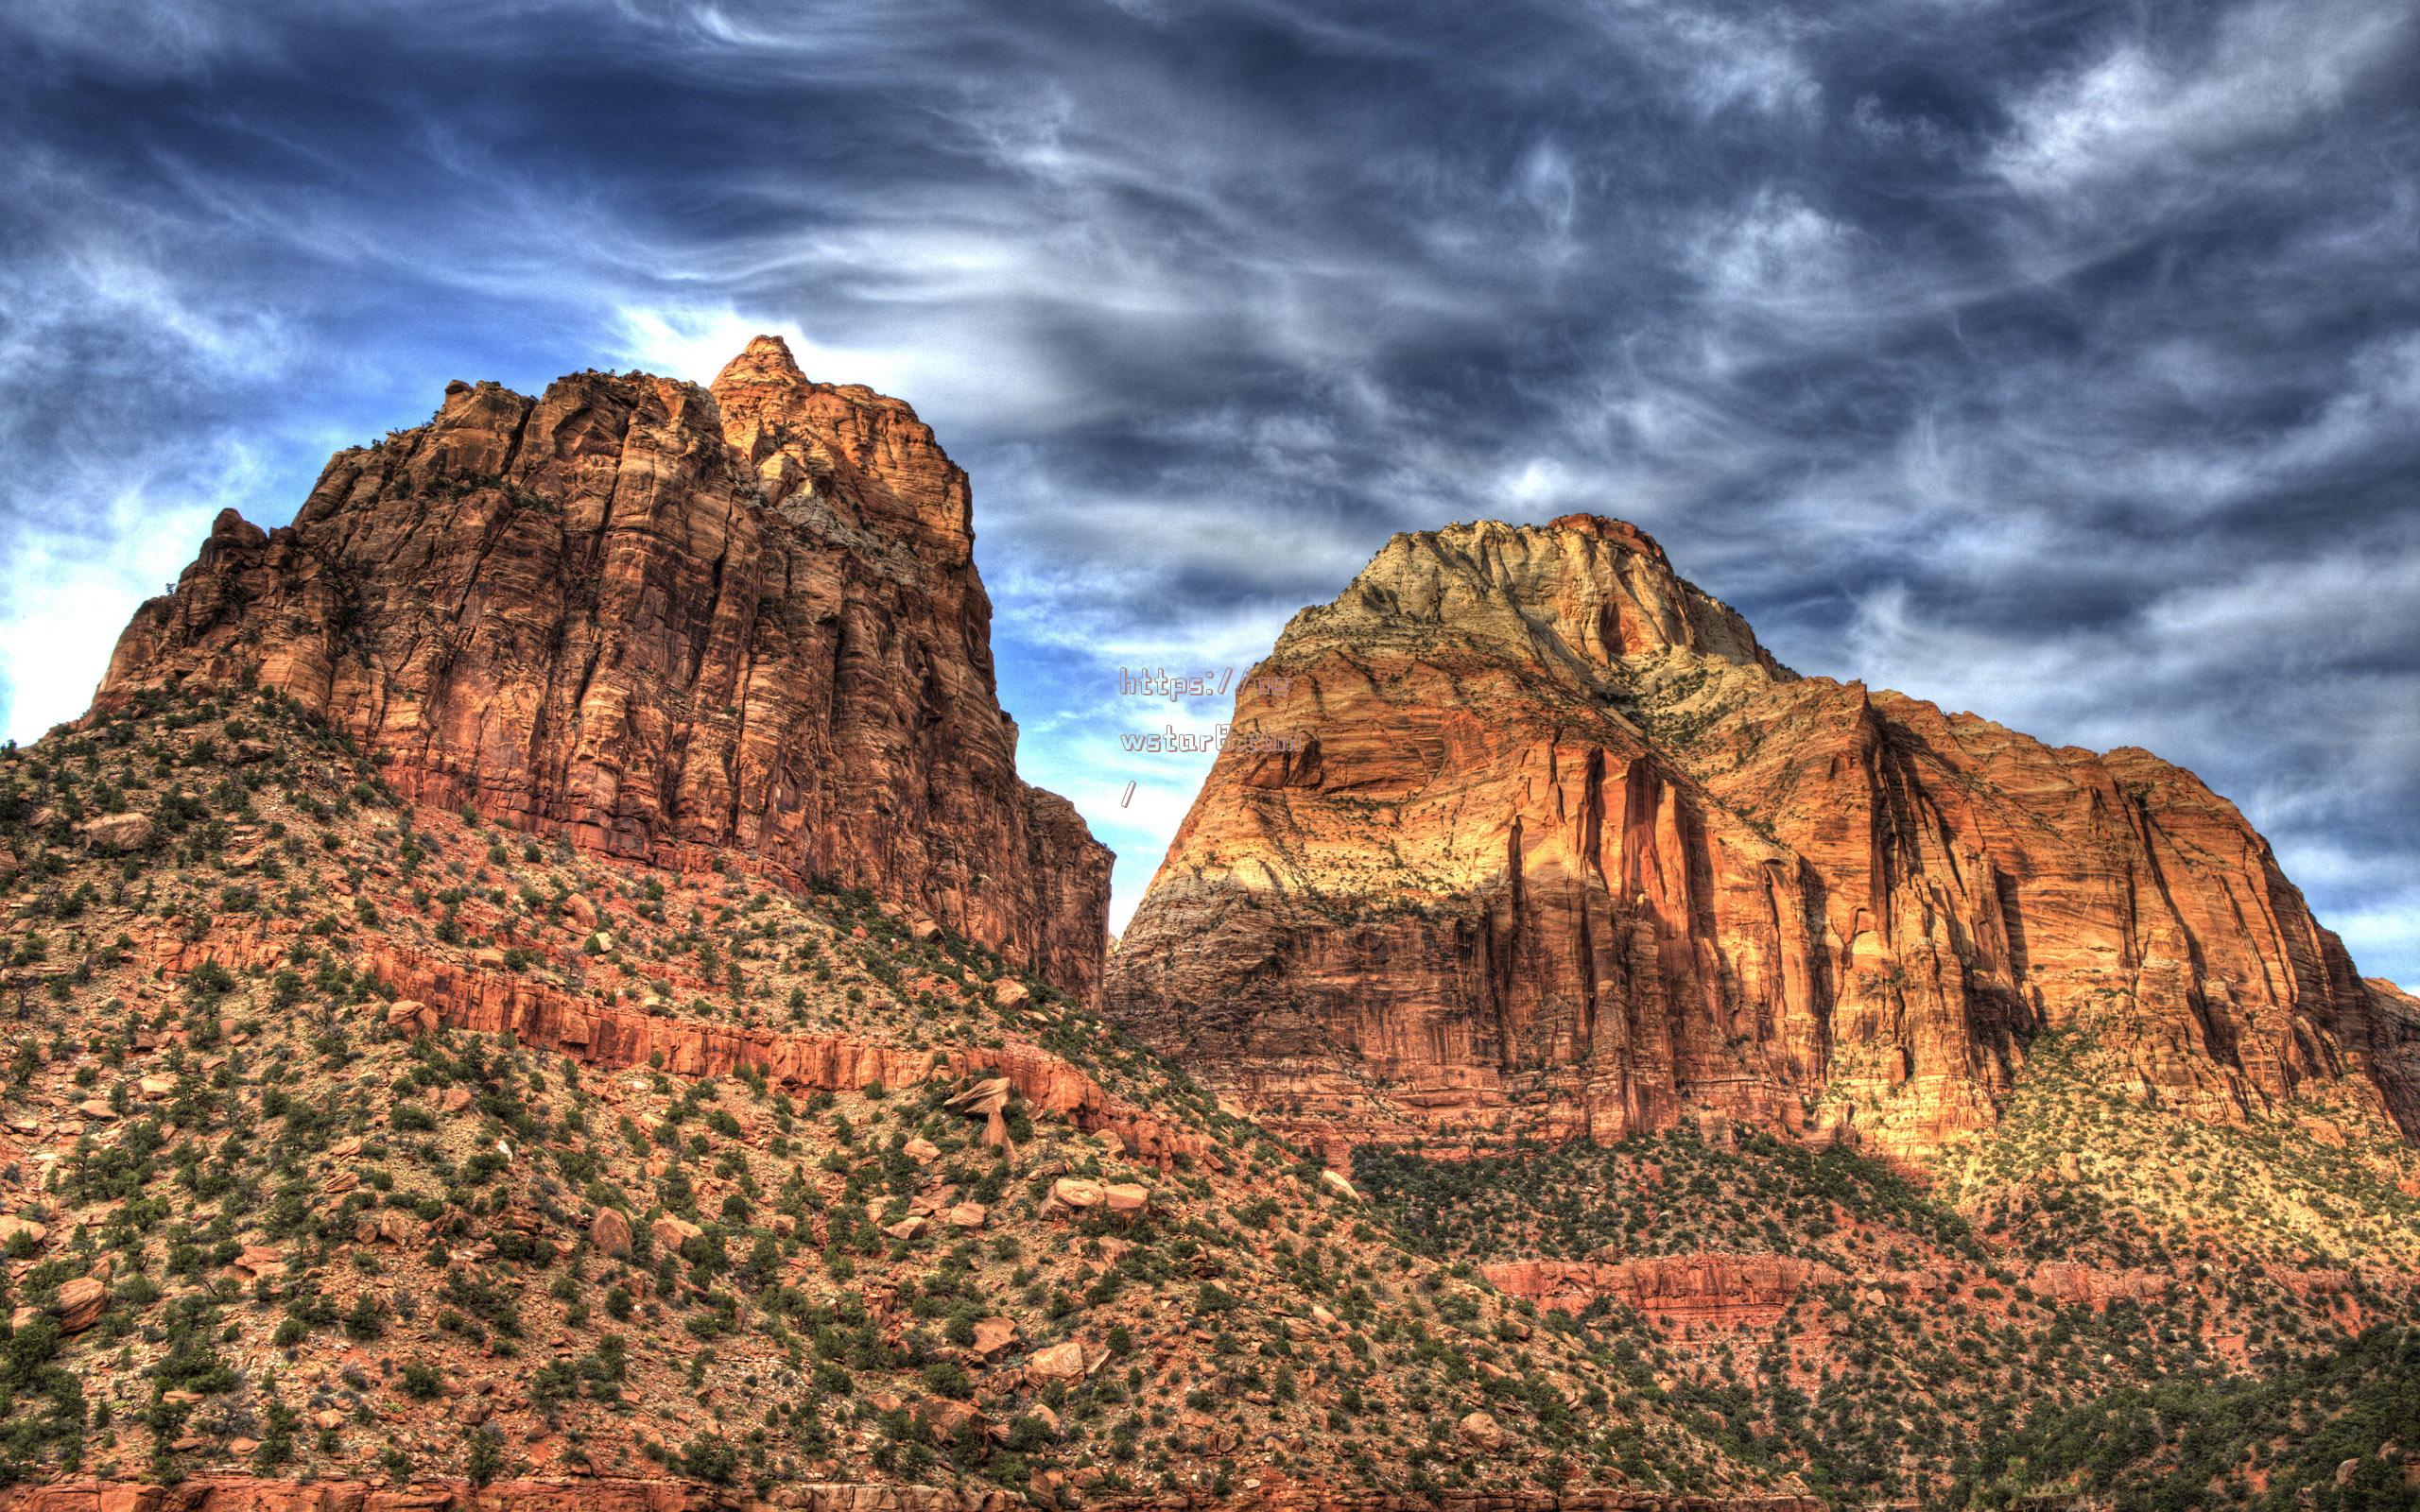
[667,623]
[1525,832]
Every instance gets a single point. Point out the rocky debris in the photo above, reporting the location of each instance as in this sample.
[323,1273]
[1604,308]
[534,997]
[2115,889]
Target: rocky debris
[1008,993]
[385,1226]
[411,1016]
[967,1216]
[773,641]
[2097,1286]
[118,833]
[670,1233]
[1524,833]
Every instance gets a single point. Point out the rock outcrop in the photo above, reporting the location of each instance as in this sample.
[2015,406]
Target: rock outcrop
[667,623]
[1525,834]
[1723,1291]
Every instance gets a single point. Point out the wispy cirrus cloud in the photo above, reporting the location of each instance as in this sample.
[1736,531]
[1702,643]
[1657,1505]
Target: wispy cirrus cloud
[2052,360]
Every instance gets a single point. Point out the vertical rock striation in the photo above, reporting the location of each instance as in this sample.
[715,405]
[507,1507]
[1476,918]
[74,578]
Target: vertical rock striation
[663,622]
[1525,833]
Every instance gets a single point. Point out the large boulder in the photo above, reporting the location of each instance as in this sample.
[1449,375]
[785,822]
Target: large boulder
[610,1233]
[117,832]
[80,1304]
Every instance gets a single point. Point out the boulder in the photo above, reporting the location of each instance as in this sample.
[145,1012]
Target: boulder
[116,832]
[1060,1362]
[994,1336]
[385,1226]
[670,1233]
[1480,1430]
[610,1233]
[80,1304]
[261,1261]
[1076,1193]
[990,1095]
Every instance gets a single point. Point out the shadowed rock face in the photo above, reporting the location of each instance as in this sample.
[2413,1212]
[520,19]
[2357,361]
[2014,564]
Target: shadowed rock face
[1524,832]
[663,622]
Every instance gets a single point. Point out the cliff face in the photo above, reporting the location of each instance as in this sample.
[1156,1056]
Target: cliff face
[1535,835]
[667,623]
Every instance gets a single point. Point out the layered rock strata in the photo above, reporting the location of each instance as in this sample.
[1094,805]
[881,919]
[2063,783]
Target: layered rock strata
[1720,1290]
[1525,834]
[667,623]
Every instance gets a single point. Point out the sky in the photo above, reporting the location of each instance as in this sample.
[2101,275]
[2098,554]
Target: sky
[2056,361]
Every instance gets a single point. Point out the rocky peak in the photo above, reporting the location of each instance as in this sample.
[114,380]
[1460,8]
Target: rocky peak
[1527,833]
[665,622]
[1575,595]
[843,459]
[765,359]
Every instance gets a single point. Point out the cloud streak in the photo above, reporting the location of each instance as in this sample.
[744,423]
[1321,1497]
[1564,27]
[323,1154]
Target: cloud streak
[2052,360]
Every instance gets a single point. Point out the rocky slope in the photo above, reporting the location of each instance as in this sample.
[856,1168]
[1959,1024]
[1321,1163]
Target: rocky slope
[1894,1339]
[669,624]
[1525,834]
[361,1152]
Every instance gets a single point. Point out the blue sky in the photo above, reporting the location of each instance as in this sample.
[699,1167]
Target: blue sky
[2059,362]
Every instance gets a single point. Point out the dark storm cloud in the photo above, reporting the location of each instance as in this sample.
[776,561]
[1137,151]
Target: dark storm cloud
[2054,361]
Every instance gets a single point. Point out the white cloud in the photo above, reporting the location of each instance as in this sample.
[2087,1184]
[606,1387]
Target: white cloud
[65,596]
[2269,68]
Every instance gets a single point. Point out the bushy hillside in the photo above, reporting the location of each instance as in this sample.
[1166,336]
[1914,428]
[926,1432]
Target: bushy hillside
[737,1186]
[1828,1314]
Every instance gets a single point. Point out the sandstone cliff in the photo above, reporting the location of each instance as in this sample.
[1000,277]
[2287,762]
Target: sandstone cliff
[1540,838]
[667,623]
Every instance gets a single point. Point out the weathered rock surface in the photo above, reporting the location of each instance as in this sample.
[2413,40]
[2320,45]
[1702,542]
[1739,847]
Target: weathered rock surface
[1726,1291]
[450,994]
[80,1305]
[665,623]
[1525,832]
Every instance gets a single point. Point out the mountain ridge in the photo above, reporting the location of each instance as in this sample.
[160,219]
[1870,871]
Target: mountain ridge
[669,622]
[1593,774]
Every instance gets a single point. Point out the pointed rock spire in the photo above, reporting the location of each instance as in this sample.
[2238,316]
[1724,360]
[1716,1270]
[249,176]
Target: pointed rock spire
[765,359]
